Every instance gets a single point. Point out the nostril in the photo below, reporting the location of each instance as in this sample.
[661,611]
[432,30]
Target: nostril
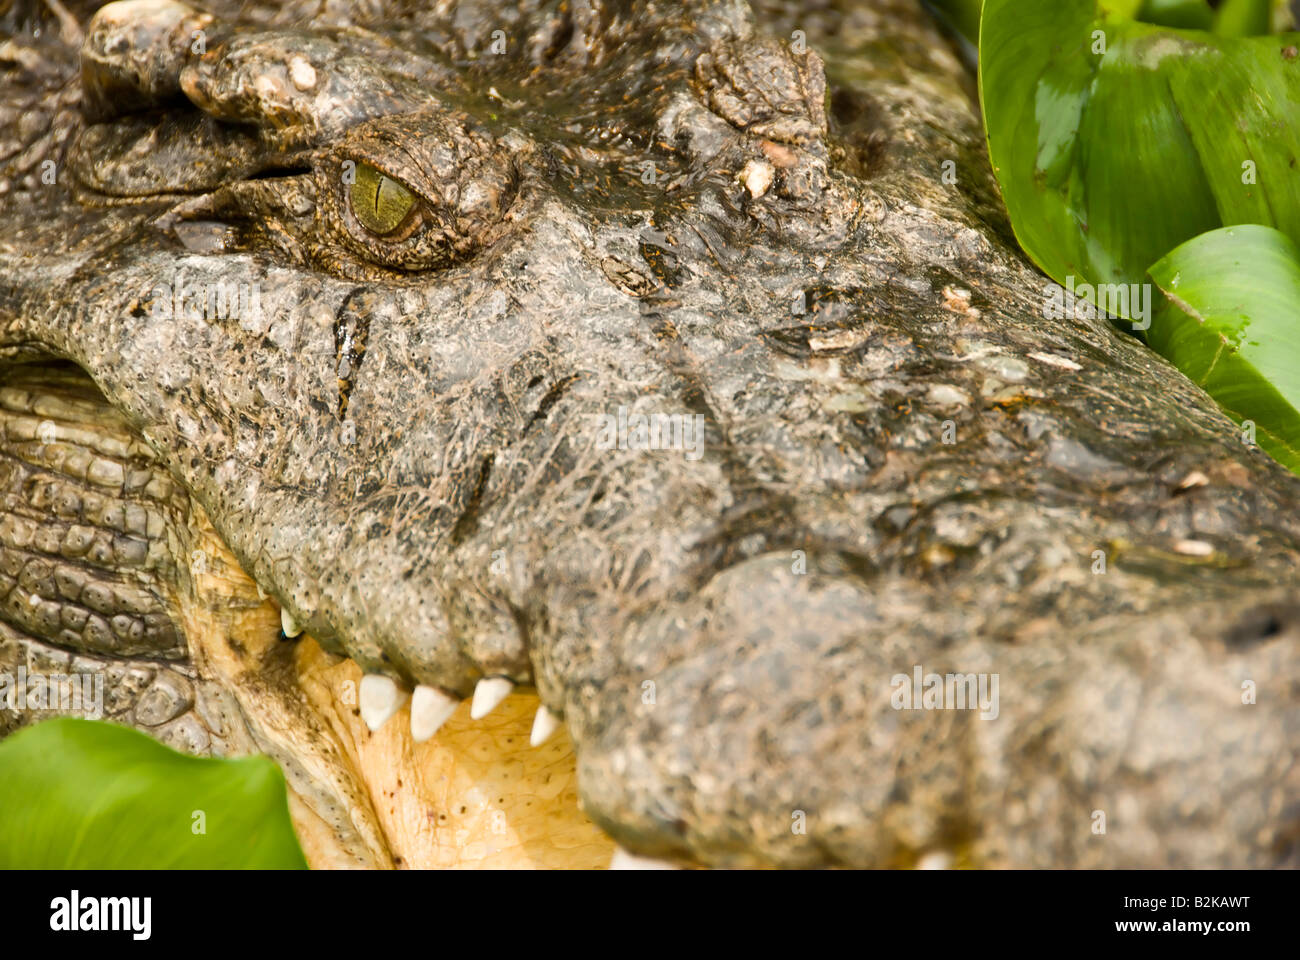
[1263,623]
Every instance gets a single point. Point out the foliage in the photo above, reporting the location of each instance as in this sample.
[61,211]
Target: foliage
[1122,130]
[79,794]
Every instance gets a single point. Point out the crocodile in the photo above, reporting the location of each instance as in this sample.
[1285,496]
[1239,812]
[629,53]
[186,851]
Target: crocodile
[564,430]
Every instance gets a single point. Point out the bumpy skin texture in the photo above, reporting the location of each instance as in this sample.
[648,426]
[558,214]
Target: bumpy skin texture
[905,463]
[86,562]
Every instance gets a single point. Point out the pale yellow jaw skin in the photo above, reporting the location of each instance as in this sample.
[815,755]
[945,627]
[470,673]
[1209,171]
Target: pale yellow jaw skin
[476,795]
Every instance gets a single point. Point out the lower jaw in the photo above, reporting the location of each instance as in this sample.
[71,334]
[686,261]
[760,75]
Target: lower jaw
[476,795]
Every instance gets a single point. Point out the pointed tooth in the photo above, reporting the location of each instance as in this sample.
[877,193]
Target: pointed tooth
[489,692]
[622,860]
[381,697]
[430,708]
[544,725]
[935,860]
[288,624]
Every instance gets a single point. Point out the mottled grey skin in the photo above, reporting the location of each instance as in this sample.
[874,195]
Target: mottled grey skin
[918,468]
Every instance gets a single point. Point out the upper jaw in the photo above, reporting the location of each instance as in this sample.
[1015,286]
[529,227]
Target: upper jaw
[578,569]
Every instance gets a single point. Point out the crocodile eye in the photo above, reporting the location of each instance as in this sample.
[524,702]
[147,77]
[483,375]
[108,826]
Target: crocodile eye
[379,202]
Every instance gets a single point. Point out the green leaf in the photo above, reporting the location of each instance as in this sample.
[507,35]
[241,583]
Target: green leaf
[1187,14]
[964,15]
[1114,141]
[1229,323]
[1244,18]
[77,794]
[1234,18]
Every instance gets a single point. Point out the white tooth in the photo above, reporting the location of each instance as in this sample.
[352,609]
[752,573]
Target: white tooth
[935,860]
[380,699]
[544,725]
[622,860]
[430,708]
[489,692]
[288,624]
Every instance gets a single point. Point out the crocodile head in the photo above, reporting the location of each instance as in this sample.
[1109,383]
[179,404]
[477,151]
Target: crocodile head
[609,354]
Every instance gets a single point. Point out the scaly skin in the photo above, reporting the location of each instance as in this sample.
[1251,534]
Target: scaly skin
[674,209]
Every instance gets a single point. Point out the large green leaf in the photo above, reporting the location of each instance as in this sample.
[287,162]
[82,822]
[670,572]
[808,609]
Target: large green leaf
[1233,18]
[963,15]
[1115,141]
[81,794]
[1187,14]
[1229,323]
[1245,18]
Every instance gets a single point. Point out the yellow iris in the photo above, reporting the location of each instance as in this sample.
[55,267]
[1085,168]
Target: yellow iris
[379,201]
